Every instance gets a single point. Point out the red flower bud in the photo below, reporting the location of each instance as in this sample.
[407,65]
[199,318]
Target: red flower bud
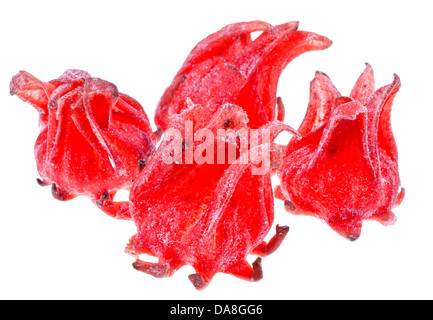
[344,169]
[93,138]
[229,67]
[210,215]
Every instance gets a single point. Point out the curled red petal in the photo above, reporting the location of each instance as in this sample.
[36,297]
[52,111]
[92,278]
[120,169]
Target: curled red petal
[32,90]
[93,136]
[322,96]
[225,42]
[266,77]
[251,56]
[386,139]
[99,98]
[364,86]
[70,75]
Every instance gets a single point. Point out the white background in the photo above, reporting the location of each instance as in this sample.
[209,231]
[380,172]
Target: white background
[57,250]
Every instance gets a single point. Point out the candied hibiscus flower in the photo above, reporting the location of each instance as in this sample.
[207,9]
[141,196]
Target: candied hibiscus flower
[94,140]
[344,170]
[229,67]
[201,211]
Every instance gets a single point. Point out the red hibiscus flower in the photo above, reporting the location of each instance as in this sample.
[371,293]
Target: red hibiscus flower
[93,140]
[229,67]
[344,170]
